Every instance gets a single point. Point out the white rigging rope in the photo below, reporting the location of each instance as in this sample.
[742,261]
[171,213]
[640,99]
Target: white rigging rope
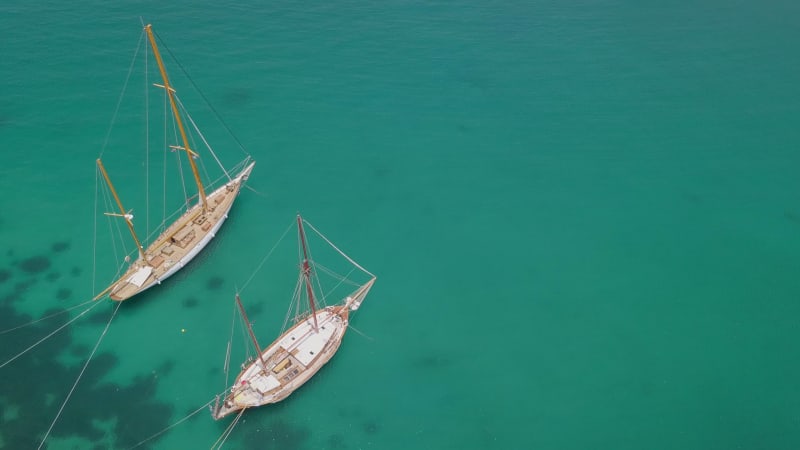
[185,418]
[146,143]
[46,317]
[94,237]
[203,138]
[49,335]
[294,304]
[121,95]
[337,249]
[263,260]
[225,434]
[178,156]
[164,173]
[226,366]
[74,385]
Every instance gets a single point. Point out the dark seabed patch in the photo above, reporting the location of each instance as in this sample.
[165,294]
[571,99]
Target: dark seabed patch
[791,216]
[692,197]
[214,283]
[60,246]
[370,427]
[75,271]
[4,275]
[278,435]
[166,367]
[52,276]
[431,361]
[63,294]
[12,297]
[79,350]
[336,441]
[131,408]
[190,302]
[254,310]
[99,317]
[23,286]
[35,264]
[237,97]
[345,411]
[381,171]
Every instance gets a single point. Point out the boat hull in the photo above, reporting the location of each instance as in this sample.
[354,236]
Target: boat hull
[180,242]
[287,363]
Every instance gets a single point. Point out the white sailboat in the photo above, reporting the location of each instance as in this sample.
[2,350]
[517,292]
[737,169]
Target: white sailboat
[183,238]
[301,350]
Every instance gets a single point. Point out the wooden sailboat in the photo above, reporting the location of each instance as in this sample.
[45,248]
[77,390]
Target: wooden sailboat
[184,238]
[298,353]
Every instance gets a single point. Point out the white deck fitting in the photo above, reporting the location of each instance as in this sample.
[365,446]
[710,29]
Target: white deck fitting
[140,276]
[264,384]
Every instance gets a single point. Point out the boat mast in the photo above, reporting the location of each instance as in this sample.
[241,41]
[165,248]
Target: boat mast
[122,214]
[307,272]
[171,94]
[250,329]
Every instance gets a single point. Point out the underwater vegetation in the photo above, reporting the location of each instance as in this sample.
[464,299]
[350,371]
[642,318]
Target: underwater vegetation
[35,384]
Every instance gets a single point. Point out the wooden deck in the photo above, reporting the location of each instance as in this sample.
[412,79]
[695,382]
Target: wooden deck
[289,362]
[179,243]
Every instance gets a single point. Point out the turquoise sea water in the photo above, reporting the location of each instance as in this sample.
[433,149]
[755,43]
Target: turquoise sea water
[584,217]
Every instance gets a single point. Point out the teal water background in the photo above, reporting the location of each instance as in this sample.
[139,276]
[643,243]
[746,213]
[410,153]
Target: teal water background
[584,217]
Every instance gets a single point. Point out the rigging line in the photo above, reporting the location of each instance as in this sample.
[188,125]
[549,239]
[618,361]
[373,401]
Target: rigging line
[164,173]
[335,275]
[337,249]
[255,191]
[114,225]
[359,332]
[121,95]
[205,99]
[86,364]
[203,138]
[230,340]
[294,304]
[225,434]
[94,236]
[341,281]
[49,335]
[146,142]
[187,199]
[185,418]
[46,317]
[267,256]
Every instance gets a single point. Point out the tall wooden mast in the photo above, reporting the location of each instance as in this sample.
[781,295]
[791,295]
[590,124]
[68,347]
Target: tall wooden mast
[122,212]
[307,271]
[171,94]
[250,329]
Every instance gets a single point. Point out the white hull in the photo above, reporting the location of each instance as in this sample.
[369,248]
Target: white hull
[290,361]
[181,242]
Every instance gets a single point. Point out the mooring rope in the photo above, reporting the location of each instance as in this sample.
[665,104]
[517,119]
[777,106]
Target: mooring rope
[337,249]
[359,332]
[247,186]
[225,434]
[74,385]
[267,256]
[46,317]
[172,426]
[49,335]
